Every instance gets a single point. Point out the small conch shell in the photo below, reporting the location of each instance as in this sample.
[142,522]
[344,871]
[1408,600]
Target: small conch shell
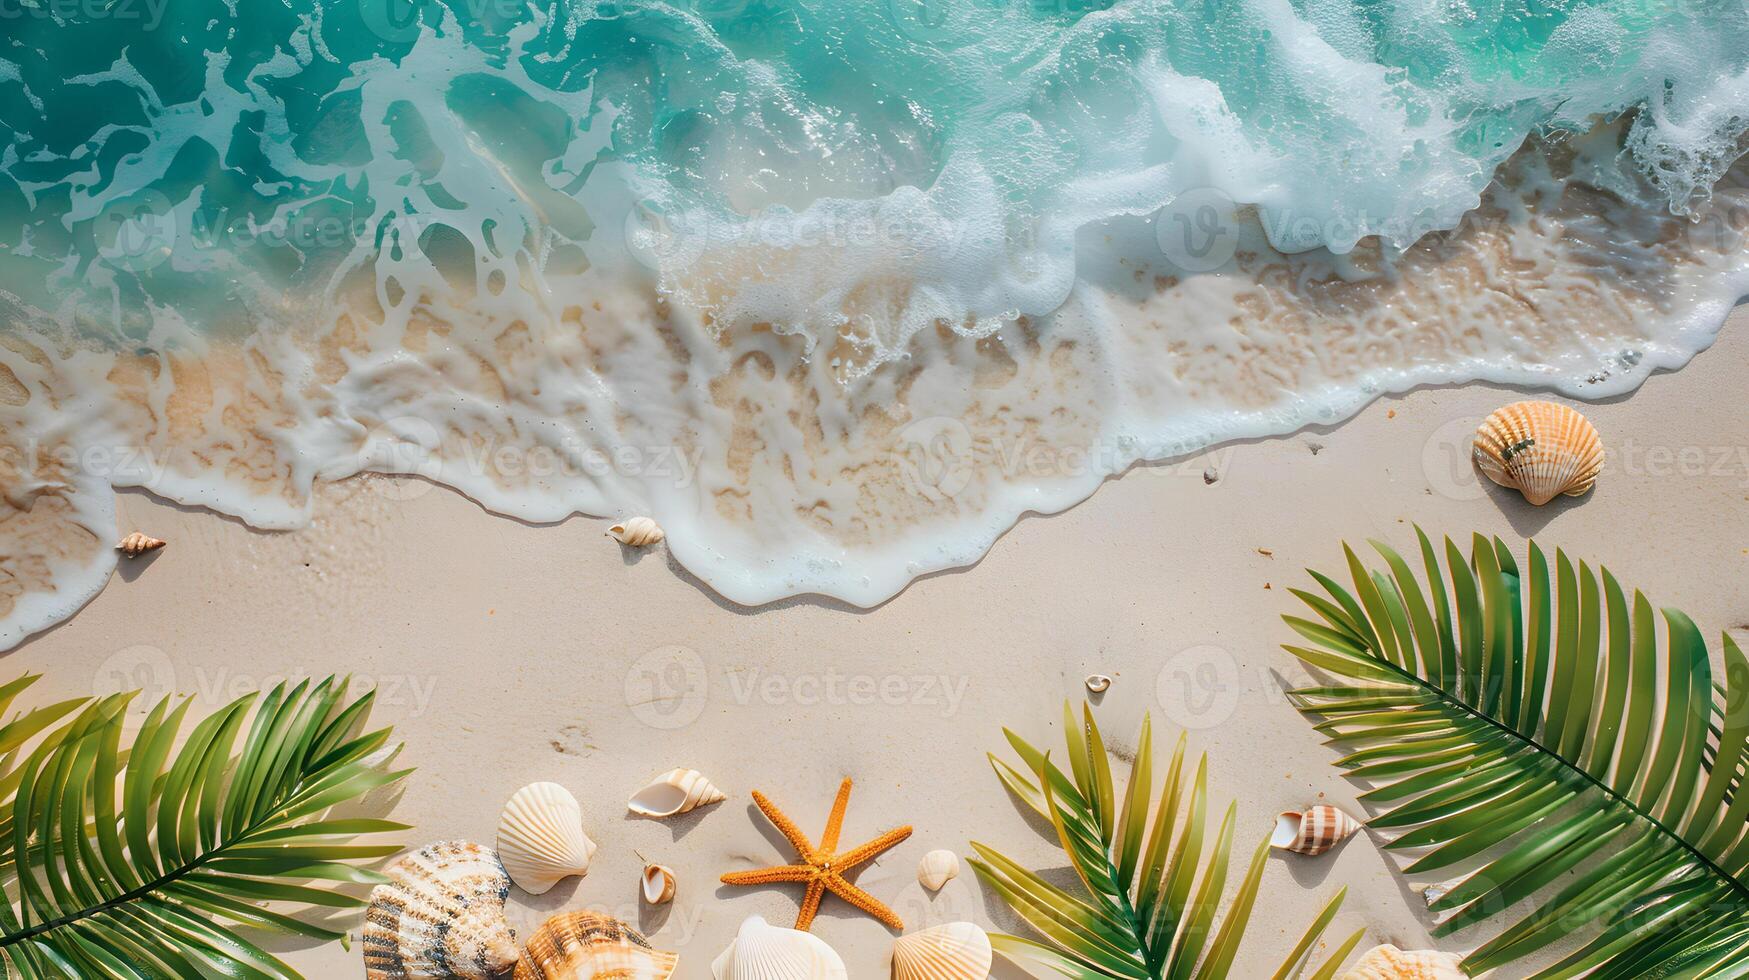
[1540,449]
[588,946]
[956,951]
[766,952]
[440,914]
[1098,683]
[1387,962]
[938,868]
[658,883]
[541,838]
[138,543]
[1314,831]
[636,532]
[674,792]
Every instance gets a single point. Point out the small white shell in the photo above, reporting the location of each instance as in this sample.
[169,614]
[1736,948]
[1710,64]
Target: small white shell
[674,792]
[636,532]
[541,838]
[658,884]
[1314,831]
[938,868]
[766,952]
[956,951]
[1098,683]
[1387,962]
[138,543]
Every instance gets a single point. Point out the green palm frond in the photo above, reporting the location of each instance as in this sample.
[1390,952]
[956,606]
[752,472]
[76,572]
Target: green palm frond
[137,862]
[1149,904]
[1529,726]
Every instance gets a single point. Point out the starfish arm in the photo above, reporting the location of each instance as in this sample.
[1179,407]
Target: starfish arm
[810,904]
[785,826]
[869,851]
[862,900]
[835,822]
[766,876]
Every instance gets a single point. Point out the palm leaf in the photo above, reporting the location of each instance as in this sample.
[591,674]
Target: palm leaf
[1148,908]
[140,862]
[1545,733]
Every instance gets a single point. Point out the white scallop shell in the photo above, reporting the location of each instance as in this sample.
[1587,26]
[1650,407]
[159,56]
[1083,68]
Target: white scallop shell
[674,792]
[938,868]
[541,838]
[762,951]
[636,532]
[440,916]
[1314,831]
[1387,962]
[956,951]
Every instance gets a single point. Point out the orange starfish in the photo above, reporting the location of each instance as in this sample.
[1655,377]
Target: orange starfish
[822,868]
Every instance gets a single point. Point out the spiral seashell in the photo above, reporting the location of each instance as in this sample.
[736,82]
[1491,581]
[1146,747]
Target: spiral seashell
[1540,449]
[1098,683]
[541,838]
[588,946]
[675,792]
[1387,962]
[938,868]
[956,951]
[636,532]
[440,916]
[658,883]
[1314,831]
[138,543]
[766,952]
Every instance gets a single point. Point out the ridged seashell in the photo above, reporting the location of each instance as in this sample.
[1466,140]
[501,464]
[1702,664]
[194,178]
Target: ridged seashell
[1098,683]
[674,792]
[1314,831]
[636,532]
[766,952]
[938,868]
[956,951]
[1390,963]
[1540,449]
[541,838]
[658,884]
[440,915]
[588,946]
[138,543]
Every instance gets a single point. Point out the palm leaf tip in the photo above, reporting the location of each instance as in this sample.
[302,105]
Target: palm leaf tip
[1553,730]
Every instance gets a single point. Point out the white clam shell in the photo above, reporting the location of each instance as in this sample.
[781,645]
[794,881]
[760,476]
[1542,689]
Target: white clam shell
[956,951]
[440,915]
[658,884]
[762,951]
[541,838]
[636,532]
[1313,831]
[675,792]
[1387,962]
[937,868]
[1098,683]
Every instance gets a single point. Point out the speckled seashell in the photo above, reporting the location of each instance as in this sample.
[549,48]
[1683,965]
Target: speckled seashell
[766,952]
[1390,963]
[956,951]
[138,543]
[1313,831]
[938,868]
[675,792]
[658,884]
[541,838]
[1098,683]
[636,532]
[588,946]
[1540,449]
[440,916]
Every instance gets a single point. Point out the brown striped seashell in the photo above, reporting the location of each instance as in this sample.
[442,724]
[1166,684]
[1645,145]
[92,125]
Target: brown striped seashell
[636,532]
[1540,449]
[440,916]
[588,946]
[956,951]
[1387,962]
[1313,831]
[138,543]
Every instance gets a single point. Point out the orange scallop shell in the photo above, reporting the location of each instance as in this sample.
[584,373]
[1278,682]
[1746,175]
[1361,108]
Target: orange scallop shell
[1540,449]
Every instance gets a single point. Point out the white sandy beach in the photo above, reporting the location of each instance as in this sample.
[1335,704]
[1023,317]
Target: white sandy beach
[506,653]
